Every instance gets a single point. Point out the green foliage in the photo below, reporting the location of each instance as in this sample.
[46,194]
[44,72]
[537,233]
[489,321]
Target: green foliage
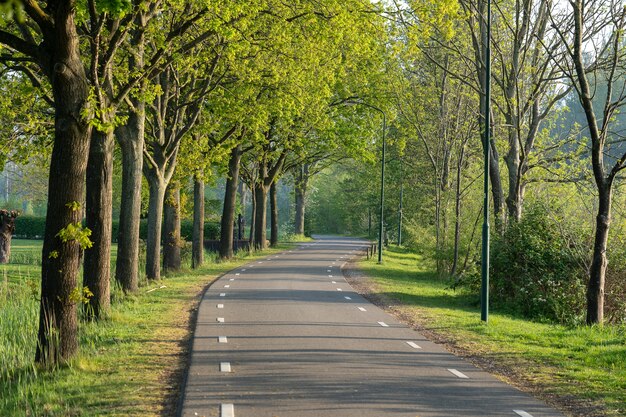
[76,232]
[535,272]
[30,227]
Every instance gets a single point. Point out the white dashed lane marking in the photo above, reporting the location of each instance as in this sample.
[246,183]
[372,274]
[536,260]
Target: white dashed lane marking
[222,294]
[220,306]
[362,309]
[522,413]
[226,286]
[222,339]
[224,366]
[457,373]
[333,282]
[220,319]
[382,323]
[414,345]
[227,410]
[347,298]
[237,274]
[339,289]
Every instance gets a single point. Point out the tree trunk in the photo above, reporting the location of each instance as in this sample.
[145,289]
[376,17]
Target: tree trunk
[230,200]
[99,201]
[300,192]
[57,336]
[172,241]
[7,228]
[155,216]
[252,219]
[197,248]
[131,140]
[274,216]
[457,212]
[597,272]
[260,216]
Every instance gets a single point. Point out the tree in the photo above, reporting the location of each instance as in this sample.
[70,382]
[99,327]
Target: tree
[585,65]
[49,39]
[7,228]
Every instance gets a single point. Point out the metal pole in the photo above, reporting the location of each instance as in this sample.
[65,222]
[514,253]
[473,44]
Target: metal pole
[484,294]
[400,210]
[382,194]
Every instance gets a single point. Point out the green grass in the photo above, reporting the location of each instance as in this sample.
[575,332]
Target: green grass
[129,365]
[582,366]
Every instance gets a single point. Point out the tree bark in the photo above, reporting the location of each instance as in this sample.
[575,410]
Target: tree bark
[597,272]
[252,219]
[273,216]
[99,201]
[131,140]
[171,221]
[230,199]
[7,228]
[197,248]
[300,192]
[57,336]
[260,216]
[155,215]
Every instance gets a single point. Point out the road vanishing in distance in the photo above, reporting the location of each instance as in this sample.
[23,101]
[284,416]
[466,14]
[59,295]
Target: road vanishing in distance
[286,336]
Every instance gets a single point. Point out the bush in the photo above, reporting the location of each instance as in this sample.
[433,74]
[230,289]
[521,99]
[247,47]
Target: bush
[30,227]
[536,272]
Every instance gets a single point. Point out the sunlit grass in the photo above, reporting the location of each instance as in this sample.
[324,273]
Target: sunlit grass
[129,365]
[586,362]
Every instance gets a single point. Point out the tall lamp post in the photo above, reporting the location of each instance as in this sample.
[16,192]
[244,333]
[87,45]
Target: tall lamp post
[484,293]
[382,177]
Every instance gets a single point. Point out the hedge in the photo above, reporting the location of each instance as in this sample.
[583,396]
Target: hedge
[32,227]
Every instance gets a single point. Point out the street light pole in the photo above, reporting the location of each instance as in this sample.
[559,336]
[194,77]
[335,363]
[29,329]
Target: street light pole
[400,210]
[382,191]
[484,293]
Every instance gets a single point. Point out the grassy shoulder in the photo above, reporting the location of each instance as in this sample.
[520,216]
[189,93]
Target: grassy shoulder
[129,365]
[580,369]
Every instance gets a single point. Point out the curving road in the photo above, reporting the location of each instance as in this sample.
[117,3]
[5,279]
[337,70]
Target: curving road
[288,337]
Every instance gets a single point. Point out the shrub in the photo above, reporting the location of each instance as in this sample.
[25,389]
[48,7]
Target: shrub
[30,227]
[536,272]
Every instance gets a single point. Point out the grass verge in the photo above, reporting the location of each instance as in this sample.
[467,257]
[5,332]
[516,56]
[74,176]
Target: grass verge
[581,370]
[129,365]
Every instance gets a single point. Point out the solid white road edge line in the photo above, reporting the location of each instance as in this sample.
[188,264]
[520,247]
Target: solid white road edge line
[459,374]
[414,345]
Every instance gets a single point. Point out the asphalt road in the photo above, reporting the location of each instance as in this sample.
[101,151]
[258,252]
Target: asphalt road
[286,336]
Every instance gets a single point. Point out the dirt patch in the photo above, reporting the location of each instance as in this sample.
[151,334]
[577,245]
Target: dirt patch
[506,369]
